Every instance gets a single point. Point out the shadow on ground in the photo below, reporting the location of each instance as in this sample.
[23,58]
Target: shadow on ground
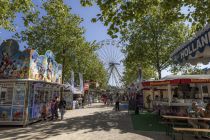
[96,122]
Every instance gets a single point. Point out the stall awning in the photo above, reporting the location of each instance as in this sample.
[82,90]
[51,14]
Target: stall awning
[74,90]
[195,50]
[178,79]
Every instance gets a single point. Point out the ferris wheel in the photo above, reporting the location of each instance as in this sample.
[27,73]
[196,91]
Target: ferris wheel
[111,56]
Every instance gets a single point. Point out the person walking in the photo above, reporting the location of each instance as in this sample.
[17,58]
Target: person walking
[89,99]
[80,101]
[148,100]
[44,112]
[62,107]
[111,99]
[56,107]
[52,108]
[117,102]
[83,101]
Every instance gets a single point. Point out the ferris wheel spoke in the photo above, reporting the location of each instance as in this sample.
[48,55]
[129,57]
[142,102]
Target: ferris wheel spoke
[103,55]
[107,54]
[116,82]
[118,57]
[110,73]
[116,79]
[115,58]
[120,77]
[112,55]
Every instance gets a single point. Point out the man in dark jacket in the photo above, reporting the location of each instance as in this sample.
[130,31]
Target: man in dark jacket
[62,107]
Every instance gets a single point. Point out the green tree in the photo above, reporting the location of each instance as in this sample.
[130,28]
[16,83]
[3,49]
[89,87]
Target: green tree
[10,8]
[152,40]
[131,71]
[186,69]
[117,14]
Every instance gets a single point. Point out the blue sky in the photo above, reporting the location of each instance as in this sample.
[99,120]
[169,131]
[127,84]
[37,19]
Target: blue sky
[94,31]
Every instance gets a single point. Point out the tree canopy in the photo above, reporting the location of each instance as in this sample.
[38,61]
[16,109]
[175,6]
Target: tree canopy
[151,41]
[117,14]
[9,10]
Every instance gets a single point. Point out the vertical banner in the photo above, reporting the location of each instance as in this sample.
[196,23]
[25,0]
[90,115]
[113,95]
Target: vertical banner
[140,77]
[72,79]
[81,81]
[139,97]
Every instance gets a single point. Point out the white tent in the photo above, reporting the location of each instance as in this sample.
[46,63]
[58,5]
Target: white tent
[74,90]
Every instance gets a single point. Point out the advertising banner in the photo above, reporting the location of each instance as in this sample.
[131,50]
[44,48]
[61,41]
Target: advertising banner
[28,64]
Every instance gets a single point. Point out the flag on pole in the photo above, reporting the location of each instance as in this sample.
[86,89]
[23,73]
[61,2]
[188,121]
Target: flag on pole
[140,78]
[72,79]
[81,81]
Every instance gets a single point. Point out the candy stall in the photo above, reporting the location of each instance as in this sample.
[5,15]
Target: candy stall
[28,83]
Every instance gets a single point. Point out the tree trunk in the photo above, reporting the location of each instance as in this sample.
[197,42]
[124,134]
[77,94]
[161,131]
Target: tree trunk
[63,63]
[159,74]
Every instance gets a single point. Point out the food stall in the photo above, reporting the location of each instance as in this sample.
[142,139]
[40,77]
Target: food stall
[180,91]
[28,82]
[173,94]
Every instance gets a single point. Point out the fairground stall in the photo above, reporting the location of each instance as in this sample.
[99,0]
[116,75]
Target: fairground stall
[28,82]
[174,94]
[181,90]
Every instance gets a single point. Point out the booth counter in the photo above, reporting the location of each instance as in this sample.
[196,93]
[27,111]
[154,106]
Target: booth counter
[178,92]
[21,101]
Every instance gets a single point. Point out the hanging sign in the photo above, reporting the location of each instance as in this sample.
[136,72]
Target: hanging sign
[194,48]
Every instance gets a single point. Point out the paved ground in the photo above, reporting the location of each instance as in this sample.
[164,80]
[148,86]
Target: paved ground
[93,123]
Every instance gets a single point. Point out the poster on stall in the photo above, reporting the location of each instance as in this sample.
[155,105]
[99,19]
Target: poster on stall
[33,72]
[55,71]
[59,74]
[19,95]
[13,63]
[44,67]
[17,113]
[49,67]
[5,113]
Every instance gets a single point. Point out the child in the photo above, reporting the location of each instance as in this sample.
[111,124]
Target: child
[44,112]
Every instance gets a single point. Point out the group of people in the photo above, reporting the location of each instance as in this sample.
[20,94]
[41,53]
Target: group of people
[55,105]
[196,112]
[109,99]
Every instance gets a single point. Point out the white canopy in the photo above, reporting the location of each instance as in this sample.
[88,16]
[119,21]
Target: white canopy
[74,90]
[195,50]
[172,77]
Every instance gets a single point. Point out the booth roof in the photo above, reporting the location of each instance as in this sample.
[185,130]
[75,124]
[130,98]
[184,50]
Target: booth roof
[31,80]
[196,50]
[172,77]
[178,79]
